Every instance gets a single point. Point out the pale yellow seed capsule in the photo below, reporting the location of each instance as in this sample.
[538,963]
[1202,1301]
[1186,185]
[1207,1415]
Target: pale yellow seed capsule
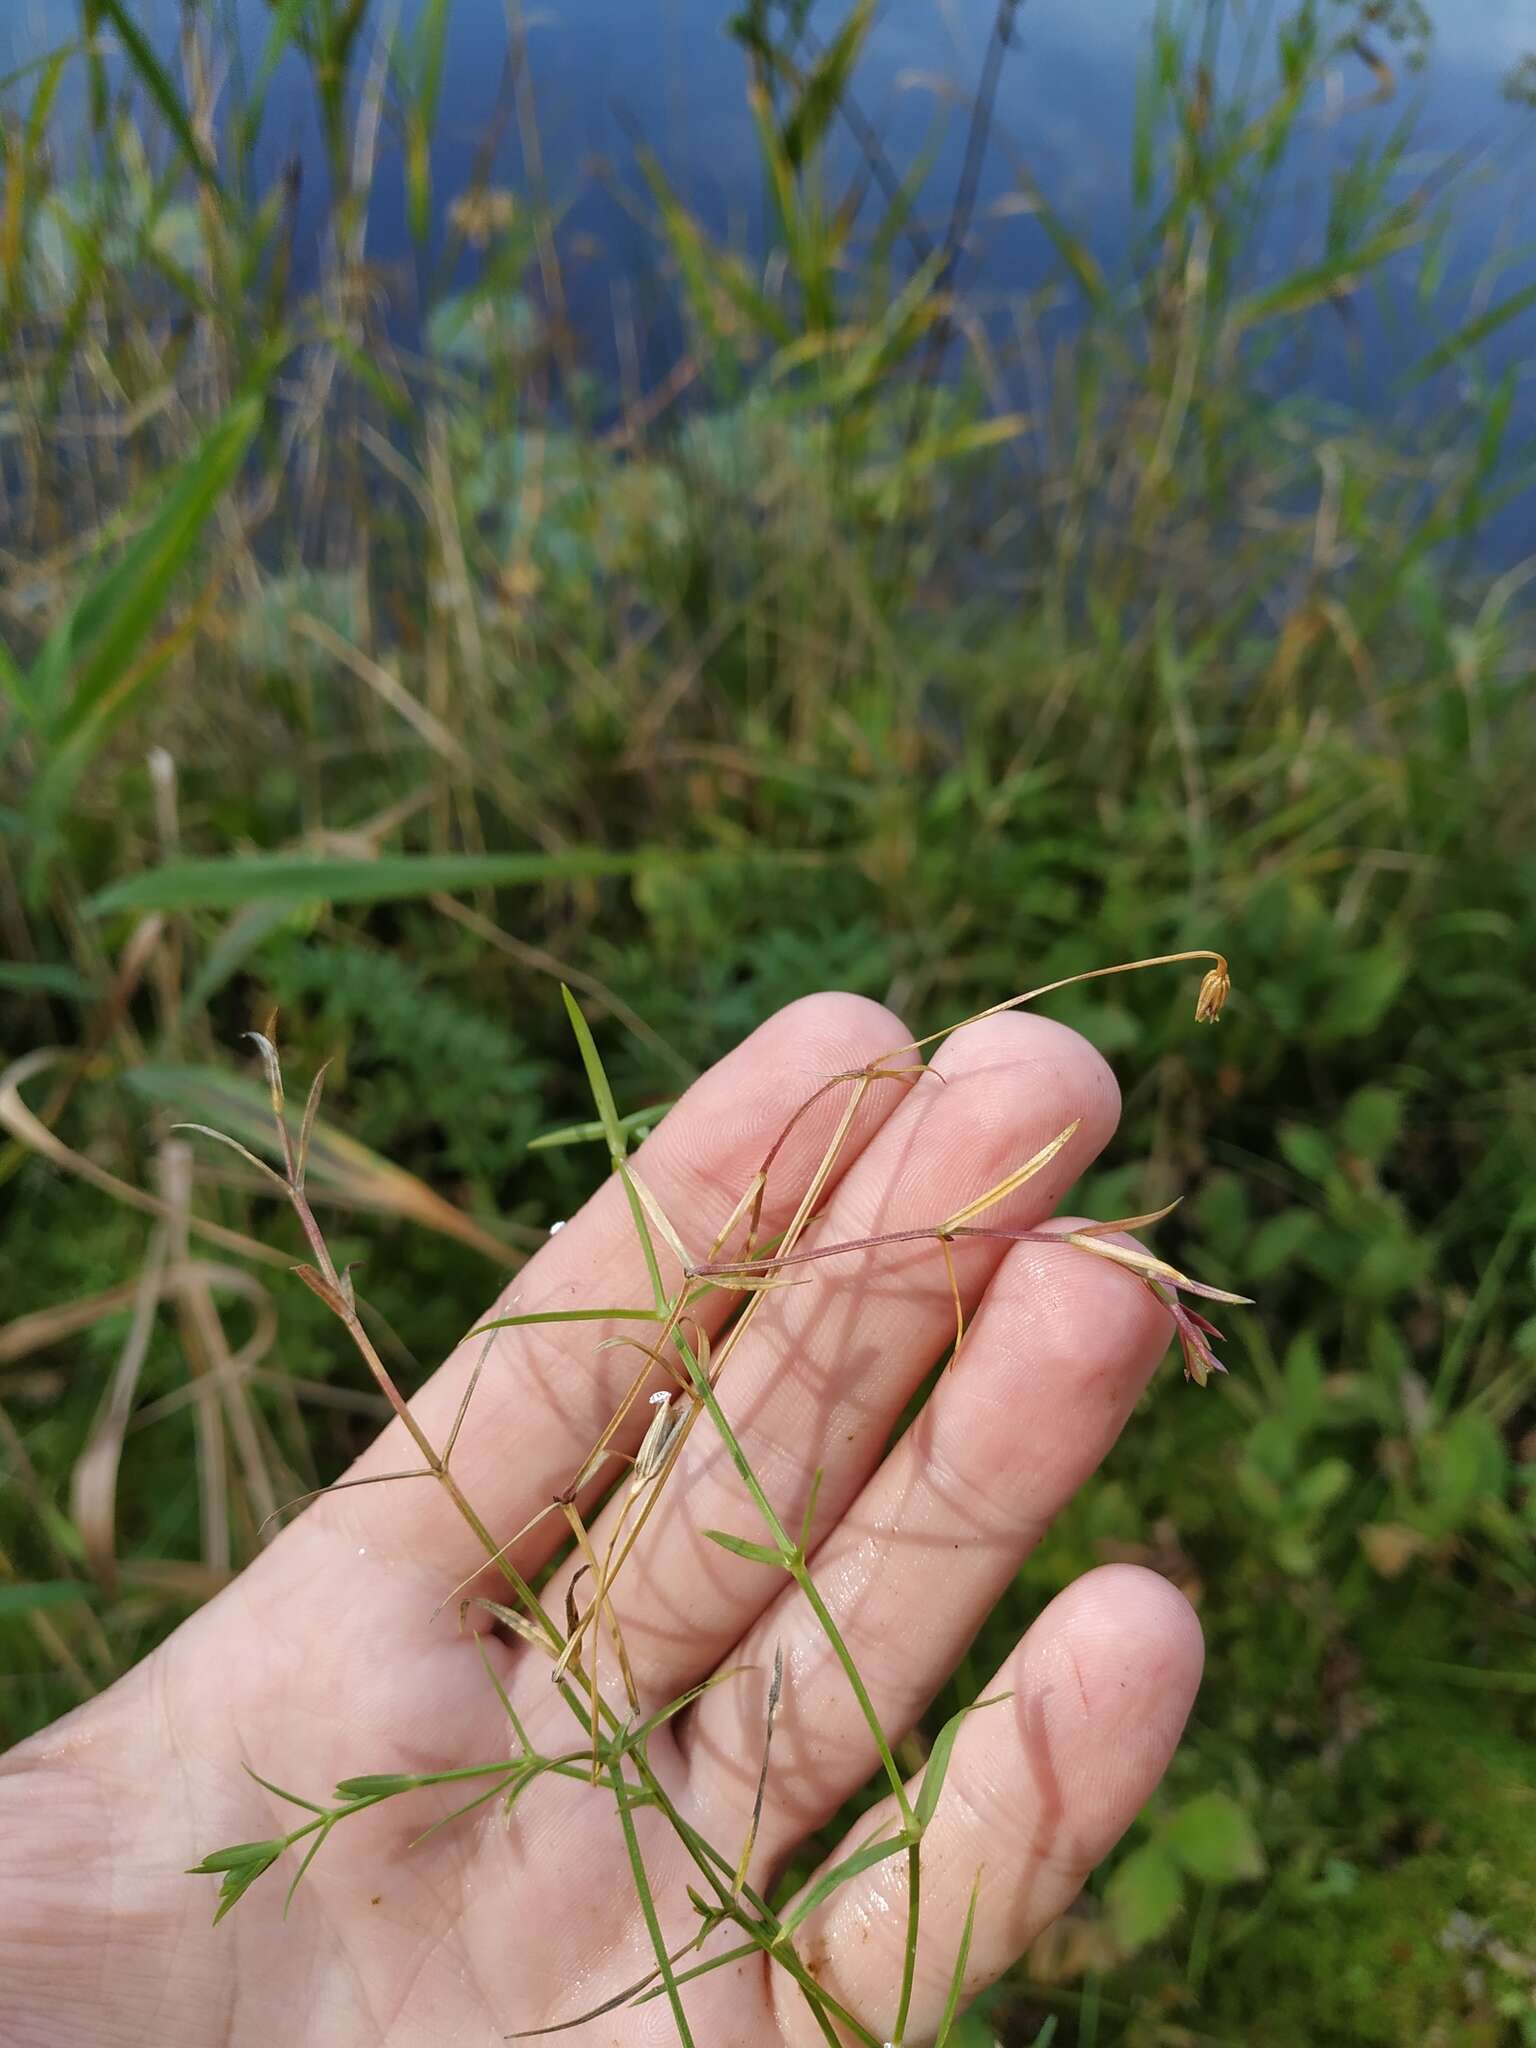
[1214,990]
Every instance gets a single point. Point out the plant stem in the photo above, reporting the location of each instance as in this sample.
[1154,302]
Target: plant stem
[648,1903]
[909,1951]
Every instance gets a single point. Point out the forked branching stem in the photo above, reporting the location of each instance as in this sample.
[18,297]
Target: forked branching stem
[679,1347]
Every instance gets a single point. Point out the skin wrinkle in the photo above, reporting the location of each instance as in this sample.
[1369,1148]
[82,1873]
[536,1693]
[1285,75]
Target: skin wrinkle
[162,1710]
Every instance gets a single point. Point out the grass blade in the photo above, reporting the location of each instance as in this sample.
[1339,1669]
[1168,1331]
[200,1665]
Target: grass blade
[957,1980]
[240,1110]
[1476,331]
[227,884]
[648,1903]
[567,1315]
[29,1599]
[637,1123]
[862,1859]
[109,623]
[613,1131]
[939,1757]
[157,84]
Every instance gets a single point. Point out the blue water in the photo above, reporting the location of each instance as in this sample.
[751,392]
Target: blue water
[610,72]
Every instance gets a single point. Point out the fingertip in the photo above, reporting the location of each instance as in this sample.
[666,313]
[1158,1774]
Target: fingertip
[1053,1060]
[1131,1618]
[719,1134]
[1104,1684]
[833,1031]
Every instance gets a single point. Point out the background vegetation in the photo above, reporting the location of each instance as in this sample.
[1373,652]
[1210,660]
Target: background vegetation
[378,646]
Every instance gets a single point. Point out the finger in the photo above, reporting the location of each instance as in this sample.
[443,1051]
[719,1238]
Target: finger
[1059,1353]
[546,1391]
[1039,1789]
[826,1367]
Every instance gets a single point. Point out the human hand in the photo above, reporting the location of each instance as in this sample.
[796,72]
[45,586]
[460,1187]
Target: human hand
[323,1658]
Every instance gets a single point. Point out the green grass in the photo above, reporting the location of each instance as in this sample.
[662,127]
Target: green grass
[390,687]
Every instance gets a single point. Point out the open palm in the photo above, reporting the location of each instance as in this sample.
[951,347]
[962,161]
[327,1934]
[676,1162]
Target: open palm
[340,1650]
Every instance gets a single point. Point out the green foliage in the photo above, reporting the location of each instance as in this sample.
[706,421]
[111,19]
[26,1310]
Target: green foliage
[22,1600]
[1144,1896]
[1213,1839]
[421,1066]
[93,667]
[1209,1840]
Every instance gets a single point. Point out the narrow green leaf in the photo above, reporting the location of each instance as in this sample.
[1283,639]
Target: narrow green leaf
[33,65]
[597,1078]
[851,1866]
[287,18]
[64,767]
[80,674]
[1073,251]
[808,1519]
[30,1599]
[15,686]
[826,87]
[939,1757]
[568,1315]
[281,1792]
[226,883]
[158,85]
[240,1868]
[717,1962]
[238,1857]
[613,1131]
[1337,277]
[1476,331]
[308,1857]
[458,1812]
[638,1123]
[418,175]
[708,271]
[378,1785]
[637,1735]
[43,978]
[957,1976]
[742,1546]
[648,1904]
[245,934]
[524,1746]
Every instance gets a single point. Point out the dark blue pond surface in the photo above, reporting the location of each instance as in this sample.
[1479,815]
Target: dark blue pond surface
[609,73]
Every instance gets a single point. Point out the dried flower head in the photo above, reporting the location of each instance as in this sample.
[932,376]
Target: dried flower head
[1214,990]
[479,216]
[1194,1333]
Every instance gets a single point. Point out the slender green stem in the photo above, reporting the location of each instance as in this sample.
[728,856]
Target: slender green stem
[834,1635]
[794,1563]
[909,1953]
[648,1903]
